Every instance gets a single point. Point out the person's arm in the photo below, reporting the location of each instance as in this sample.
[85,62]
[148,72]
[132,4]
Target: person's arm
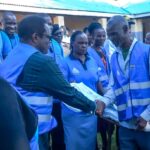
[100,89]
[146,113]
[109,96]
[12,128]
[6,45]
[41,73]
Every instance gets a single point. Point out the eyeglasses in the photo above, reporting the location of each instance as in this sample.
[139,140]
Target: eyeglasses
[58,33]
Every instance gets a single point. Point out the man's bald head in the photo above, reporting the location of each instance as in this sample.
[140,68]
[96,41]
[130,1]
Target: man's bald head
[46,17]
[48,20]
[6,14]
[147,38]
[118,30]
[117,21]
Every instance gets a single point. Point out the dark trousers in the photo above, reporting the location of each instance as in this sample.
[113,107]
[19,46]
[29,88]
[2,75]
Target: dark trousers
[106,130]
[133,139]
[44,142]
[57,133]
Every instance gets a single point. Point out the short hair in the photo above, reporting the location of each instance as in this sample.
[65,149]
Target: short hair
[29,25]
[118,20]
[85,29]
[55,28]
[73,37]
[7,13]
[93,26]
[43,15]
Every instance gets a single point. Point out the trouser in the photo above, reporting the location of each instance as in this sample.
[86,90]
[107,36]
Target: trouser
[57,134]
[133,140]
[44,141]
[106,130]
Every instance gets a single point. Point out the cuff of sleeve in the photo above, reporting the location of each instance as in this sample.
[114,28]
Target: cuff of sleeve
[106,100]
[93,112]
[146,115]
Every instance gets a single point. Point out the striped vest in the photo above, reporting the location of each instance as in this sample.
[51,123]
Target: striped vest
[40,102]
[132,92]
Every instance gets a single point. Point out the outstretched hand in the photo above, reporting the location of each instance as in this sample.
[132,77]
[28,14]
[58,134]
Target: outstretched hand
[100,107]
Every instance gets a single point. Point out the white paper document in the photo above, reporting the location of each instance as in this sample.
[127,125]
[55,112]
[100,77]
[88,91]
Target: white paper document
[110,112]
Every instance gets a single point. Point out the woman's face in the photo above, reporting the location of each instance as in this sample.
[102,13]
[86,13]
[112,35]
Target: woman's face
[99,37]
[80,44]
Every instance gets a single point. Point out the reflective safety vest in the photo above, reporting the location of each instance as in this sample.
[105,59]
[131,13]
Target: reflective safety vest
[40,102]
[132,92]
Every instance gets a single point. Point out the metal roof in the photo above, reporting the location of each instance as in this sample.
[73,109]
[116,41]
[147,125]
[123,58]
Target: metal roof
[138,8]
[77,7]
[68,5]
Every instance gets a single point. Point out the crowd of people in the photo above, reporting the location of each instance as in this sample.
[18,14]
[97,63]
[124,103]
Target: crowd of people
[36,94]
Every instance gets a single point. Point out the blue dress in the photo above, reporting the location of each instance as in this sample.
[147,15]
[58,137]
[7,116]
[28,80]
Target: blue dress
[80,128]
[104,73]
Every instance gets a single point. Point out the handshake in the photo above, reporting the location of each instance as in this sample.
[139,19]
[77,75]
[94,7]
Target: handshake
[110,112]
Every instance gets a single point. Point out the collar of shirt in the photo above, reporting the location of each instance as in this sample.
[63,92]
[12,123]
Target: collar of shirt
[75,58]
[72,57]
[118,49]
[124,64]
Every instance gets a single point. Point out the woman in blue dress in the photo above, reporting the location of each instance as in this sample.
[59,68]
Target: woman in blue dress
[80,128]
[98,53]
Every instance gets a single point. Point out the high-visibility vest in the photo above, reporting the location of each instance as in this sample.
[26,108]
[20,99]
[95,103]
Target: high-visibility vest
[132,92]
[40,102]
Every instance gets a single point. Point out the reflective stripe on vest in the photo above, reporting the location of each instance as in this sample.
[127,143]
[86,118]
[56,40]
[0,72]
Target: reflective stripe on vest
[135,102]
[133,86]
[34,100]
[44,118]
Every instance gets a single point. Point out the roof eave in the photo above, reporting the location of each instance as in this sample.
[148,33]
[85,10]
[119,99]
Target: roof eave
[142,15]
[31,9]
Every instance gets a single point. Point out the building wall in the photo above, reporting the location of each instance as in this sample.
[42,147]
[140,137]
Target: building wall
[77,22]
[146,26]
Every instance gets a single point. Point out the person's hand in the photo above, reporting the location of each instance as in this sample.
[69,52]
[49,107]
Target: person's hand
[100,107]
[141,123]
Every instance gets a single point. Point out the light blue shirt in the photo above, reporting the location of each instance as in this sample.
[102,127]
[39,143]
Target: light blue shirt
[14,40]
[5,46]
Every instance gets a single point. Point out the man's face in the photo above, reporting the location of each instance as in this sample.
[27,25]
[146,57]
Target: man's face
[49,22]
[58,35]
[43,42]
[10,24]
[147,39]
[80,44]
[116,34]
[89,37]
[99,37]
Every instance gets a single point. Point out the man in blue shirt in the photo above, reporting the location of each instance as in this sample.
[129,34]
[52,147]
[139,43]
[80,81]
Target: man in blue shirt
[10,27]
[37,77]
